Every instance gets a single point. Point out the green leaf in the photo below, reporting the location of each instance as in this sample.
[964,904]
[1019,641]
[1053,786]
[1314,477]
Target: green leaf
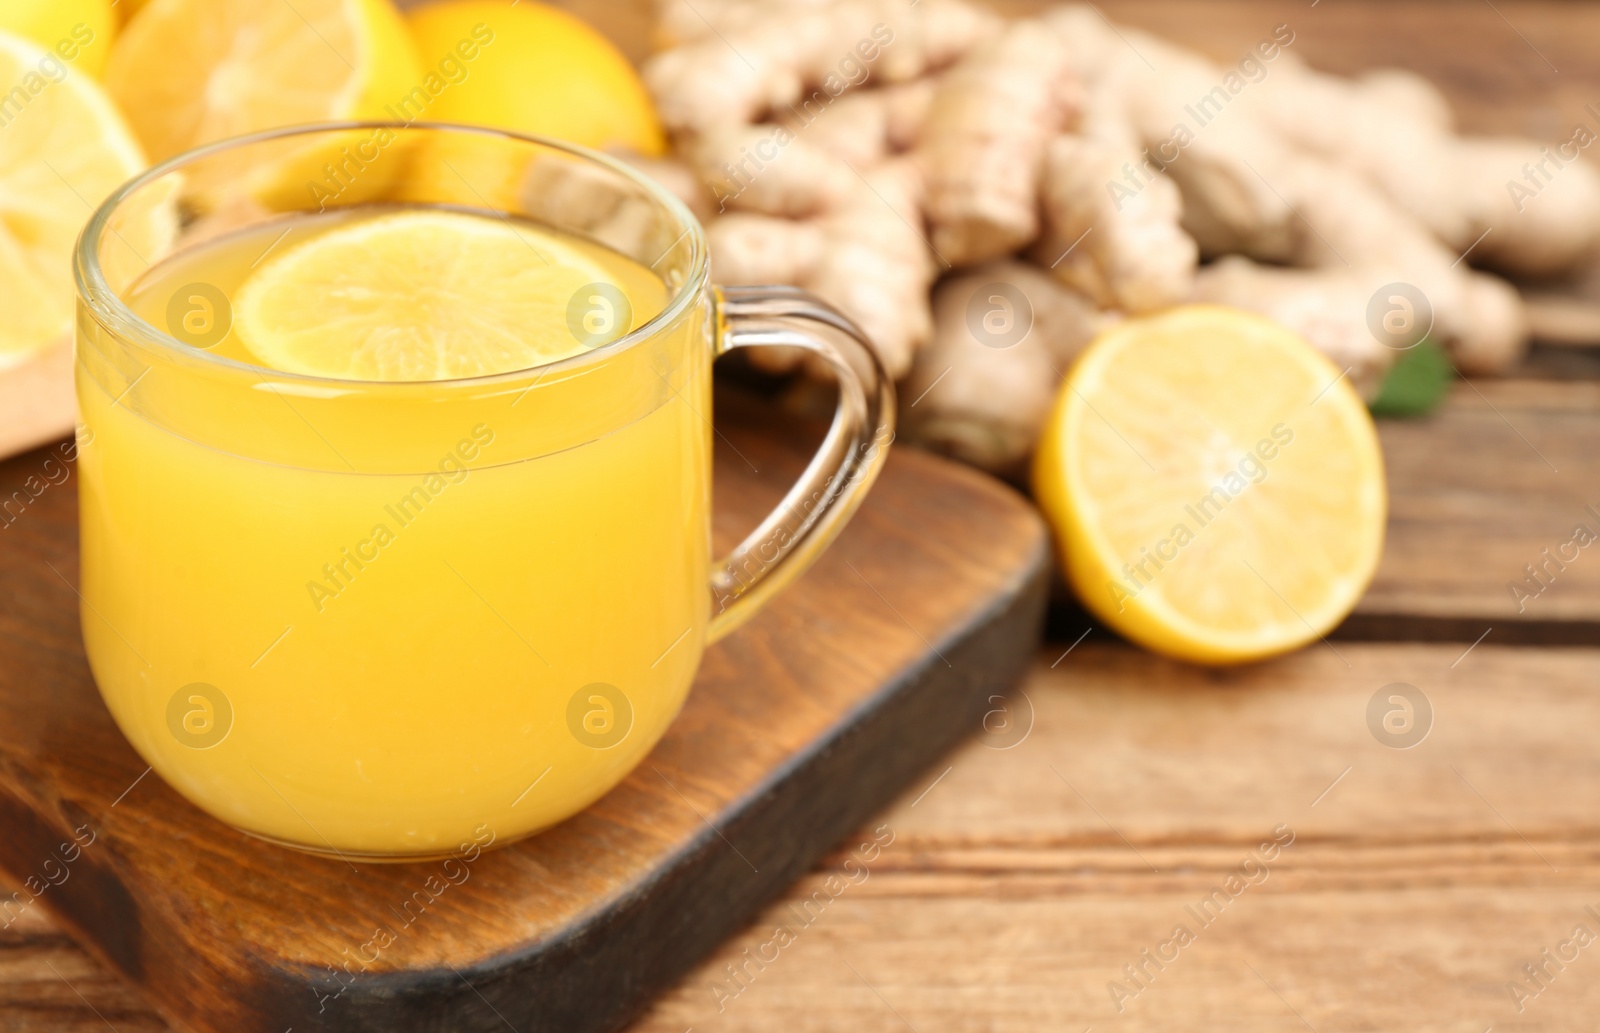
[1416,383]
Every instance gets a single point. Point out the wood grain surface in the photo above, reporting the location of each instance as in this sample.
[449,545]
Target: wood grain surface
[1115,789]
[1028,869]
[843,689]
[1022,880]
[1420,883]
[1486,498]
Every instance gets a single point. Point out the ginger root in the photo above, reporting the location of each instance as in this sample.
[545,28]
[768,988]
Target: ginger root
[684,21]
[845,87]
[1522,208]
[1328,307]
[865,126]
[864,256]
[1004,335]
[1126,253]
[982,148]
[769,169]
[857,148]
[759,61]
[1224,169]
[680,180]
[1540,214]
[1268,169]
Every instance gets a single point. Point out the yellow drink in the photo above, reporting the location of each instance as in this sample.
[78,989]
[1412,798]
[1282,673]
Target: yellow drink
[399,650]
[387,545]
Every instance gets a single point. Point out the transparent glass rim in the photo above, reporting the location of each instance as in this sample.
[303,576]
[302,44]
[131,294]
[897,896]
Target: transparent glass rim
[117,317]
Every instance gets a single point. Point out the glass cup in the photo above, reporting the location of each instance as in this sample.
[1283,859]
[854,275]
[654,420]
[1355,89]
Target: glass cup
[382,619]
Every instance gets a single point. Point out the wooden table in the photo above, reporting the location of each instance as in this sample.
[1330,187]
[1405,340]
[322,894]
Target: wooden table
[1115,794]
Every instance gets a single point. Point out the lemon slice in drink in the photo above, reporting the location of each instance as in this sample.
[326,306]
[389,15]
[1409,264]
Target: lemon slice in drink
[426,295]
[188,72]
[63,148]
[1214,484]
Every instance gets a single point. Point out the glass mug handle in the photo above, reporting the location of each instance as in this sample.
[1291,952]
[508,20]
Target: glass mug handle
[833,485]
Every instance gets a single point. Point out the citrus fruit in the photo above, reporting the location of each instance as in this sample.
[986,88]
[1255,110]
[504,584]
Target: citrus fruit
[188,72]
[126,9]
[77,32]
[63,148]
[419,295]
[1214,484]
[530,68]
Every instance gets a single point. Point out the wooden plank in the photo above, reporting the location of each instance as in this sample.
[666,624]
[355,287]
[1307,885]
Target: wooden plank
[799,726]
[1500,479]
[49,984]
[1022,880]
[1019,881]
[1020,928]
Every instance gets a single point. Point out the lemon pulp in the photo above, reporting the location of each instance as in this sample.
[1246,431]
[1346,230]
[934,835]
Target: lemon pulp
[188,72]
[423,295]
[65,149]
[1214,484]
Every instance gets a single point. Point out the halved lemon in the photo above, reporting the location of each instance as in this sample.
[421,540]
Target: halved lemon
[188,72]
[425,295]
[1215,485]
[63,148]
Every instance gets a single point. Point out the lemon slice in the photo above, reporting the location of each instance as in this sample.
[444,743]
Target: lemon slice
[63,148]
[188,72]
[419,296]
[1214,484]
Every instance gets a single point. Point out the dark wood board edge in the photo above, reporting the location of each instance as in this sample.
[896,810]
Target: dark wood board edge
[639,945]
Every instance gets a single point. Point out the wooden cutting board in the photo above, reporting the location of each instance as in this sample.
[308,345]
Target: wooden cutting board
[800,726]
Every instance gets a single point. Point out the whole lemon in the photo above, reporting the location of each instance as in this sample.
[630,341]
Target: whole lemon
[77,32]
[529,68]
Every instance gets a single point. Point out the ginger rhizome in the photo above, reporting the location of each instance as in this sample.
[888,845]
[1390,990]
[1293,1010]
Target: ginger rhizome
[896,158]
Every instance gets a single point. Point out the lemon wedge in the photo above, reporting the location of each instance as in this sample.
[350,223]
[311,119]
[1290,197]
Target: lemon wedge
[1214,484]
[63,148]
[188,72]
[422,295]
